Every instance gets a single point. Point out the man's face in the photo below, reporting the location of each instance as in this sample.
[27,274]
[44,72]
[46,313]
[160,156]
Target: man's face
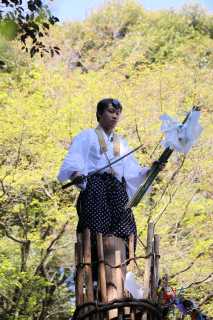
[110,117]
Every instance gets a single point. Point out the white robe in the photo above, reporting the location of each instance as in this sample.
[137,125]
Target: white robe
[84,156]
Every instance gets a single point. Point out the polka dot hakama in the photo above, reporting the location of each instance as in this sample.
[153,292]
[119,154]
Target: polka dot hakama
[101,207]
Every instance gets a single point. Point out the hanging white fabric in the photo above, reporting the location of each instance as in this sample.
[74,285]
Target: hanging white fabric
[132,286]
[181,137]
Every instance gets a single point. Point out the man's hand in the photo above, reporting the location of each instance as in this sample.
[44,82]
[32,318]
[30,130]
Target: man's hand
[77,178]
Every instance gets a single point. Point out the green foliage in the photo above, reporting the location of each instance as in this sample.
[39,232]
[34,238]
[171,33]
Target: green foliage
[29,22]
[9,29]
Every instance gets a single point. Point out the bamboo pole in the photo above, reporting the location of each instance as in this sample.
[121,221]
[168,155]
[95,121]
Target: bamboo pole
[119,282]
[88,268]
[131,252]
[156,265]
[148,262]
[131,268]
[148,265]
[109,254]
[101,269]
[79,282]
[118,275]
[111,245]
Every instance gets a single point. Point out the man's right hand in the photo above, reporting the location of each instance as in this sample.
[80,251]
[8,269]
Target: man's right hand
[77,178]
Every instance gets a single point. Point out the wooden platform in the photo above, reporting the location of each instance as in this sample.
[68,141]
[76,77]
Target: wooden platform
[101,269]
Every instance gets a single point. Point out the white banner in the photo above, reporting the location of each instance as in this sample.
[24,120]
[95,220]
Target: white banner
[181,137]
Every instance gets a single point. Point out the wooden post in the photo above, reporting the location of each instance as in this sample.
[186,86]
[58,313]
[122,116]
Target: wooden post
[131,268]
[156,266]
[79,282]
[148,262]
[131,252]
[101,269]
[88,268]
[119,281]
[111,245]
[118,275]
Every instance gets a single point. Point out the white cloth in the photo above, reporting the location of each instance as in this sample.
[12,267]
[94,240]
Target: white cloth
[84,156]
[133,286]
[181,137]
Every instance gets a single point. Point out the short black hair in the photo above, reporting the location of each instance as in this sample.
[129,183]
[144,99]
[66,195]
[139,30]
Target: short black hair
[105,103]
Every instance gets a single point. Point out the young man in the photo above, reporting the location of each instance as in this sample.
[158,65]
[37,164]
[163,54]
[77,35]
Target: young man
[103,196]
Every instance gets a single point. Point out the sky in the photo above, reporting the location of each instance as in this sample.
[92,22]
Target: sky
[72,10]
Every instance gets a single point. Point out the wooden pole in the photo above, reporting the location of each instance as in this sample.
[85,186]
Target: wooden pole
[156,265]
[118,275]
[101,269]
[88,268]
[111,245]
[155,269]
[79,282]
[131,252]
[131,268]
[148,262]
[119,282]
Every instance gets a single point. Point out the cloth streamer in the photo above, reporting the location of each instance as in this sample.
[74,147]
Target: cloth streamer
[181,137]
[132,286]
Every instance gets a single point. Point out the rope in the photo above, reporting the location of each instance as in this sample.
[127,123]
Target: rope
[83,264]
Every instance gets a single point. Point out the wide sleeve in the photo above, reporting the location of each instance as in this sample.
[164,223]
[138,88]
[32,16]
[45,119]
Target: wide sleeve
[77,157]
[134,174]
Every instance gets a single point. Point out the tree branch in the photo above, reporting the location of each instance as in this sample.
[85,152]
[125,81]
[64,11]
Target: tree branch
[206,299]
[175,173]
[199,282]
[50,247]
[19,148]
[8,300]
[2,186]
[155,148]
[171,196]
[4,191]
[10,236]
[189,266]
[177,226]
